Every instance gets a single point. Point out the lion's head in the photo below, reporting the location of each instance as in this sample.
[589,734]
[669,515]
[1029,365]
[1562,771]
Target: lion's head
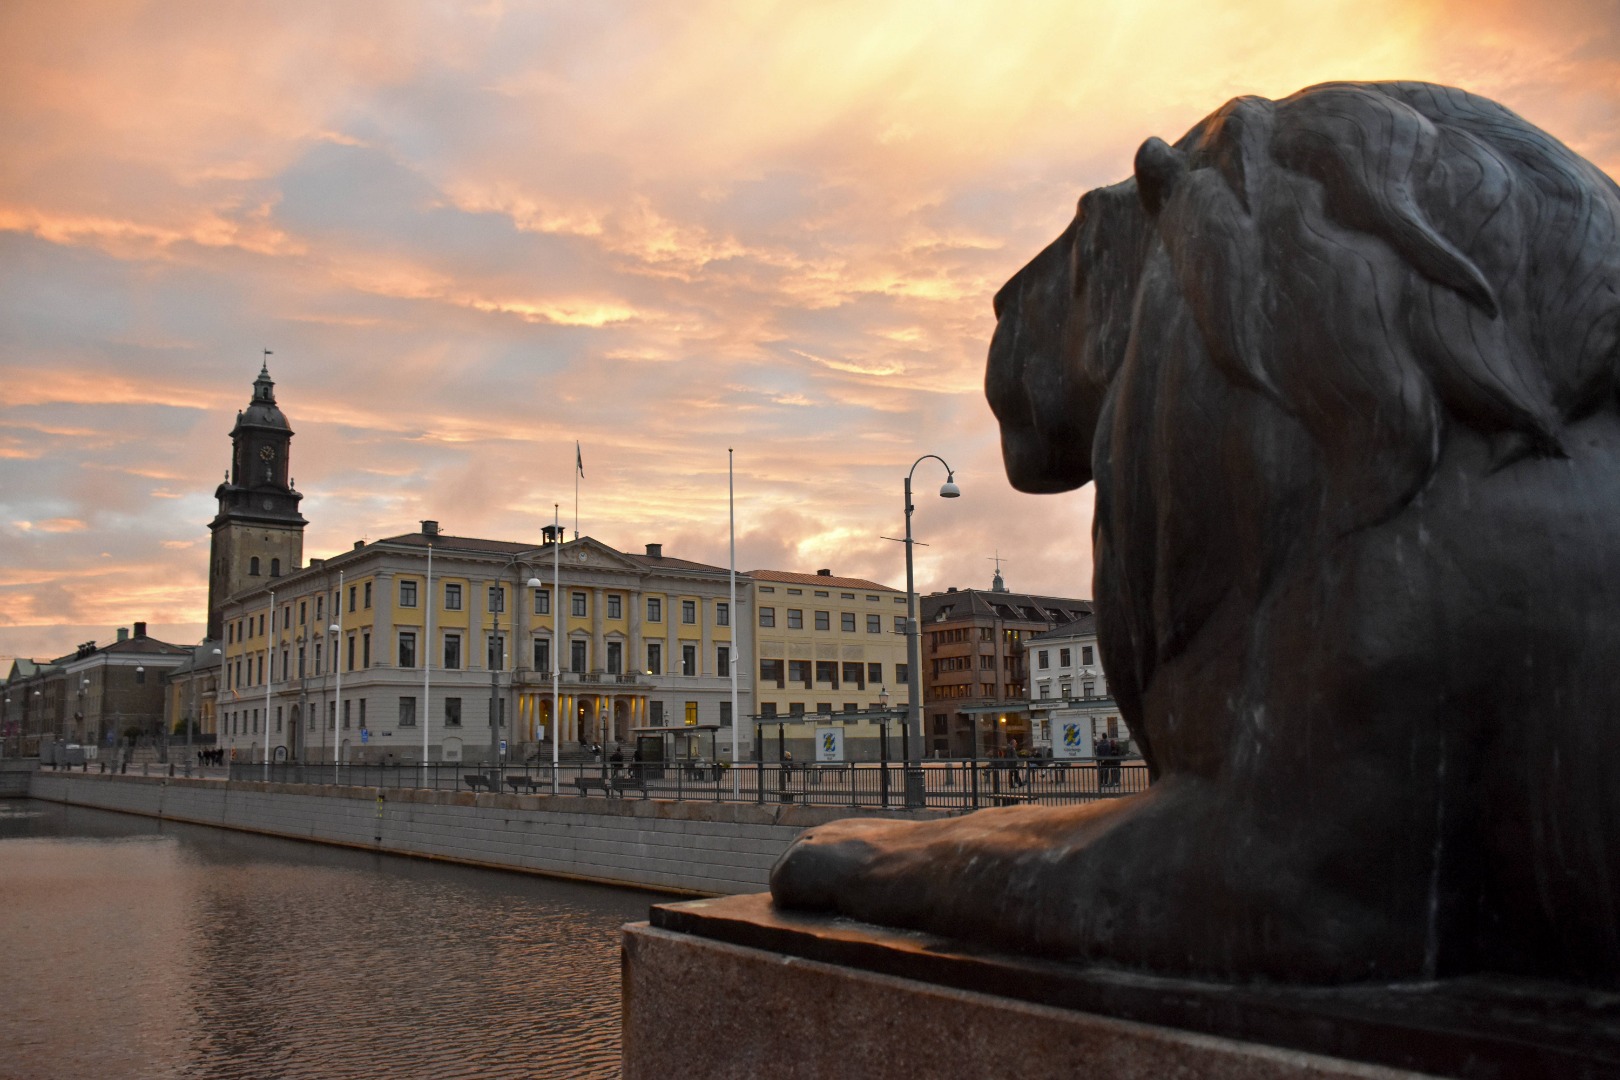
[1372,259]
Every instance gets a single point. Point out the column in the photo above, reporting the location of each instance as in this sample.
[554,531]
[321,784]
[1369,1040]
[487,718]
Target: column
[383,653]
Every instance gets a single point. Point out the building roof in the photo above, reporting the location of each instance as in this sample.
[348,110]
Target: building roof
[1084,626]
[792,578]
[1008,606]
[478,546]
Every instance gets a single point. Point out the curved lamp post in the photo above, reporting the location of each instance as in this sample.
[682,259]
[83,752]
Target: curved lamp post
[497,662]
[915,791]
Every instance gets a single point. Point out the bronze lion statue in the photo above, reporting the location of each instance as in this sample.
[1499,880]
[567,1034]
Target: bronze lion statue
[1343,369]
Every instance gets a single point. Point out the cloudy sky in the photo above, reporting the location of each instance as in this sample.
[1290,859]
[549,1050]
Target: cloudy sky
[474,233]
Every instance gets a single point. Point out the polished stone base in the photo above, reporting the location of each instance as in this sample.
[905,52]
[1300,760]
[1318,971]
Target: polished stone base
[734,988]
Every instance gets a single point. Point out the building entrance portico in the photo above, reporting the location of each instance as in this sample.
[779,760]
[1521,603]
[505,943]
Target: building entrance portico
[588,715]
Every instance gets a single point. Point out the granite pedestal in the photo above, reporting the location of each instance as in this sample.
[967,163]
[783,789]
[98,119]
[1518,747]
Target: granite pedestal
[734,988]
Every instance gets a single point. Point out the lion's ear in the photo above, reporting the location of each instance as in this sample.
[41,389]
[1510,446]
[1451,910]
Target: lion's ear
[1158,168]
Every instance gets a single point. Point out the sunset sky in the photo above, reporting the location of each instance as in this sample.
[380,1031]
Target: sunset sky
[473,234]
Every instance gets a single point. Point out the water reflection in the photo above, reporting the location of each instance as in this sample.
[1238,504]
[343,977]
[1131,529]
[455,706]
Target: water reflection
[138,948]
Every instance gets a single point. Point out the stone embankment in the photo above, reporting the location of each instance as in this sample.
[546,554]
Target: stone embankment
[699,848]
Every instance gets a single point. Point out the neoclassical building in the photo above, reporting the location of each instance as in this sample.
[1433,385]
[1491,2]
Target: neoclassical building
[433,634]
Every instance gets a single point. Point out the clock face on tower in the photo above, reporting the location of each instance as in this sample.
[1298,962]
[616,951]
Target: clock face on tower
[267,453]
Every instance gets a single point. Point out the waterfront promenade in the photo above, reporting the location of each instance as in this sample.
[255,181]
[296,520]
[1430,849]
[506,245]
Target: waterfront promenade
[694,847]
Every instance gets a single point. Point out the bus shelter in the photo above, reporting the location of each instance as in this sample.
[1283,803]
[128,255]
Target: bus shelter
[693,747]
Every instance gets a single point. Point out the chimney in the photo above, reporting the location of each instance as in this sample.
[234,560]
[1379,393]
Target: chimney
[123,633]
[823,573]
[951,589]
[430,528]
[316,564]
[655,551]
[140,629]
[358,544]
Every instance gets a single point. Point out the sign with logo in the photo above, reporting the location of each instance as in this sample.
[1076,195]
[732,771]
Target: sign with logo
[503,747]
[365,736]
[830,744]
[1071,737]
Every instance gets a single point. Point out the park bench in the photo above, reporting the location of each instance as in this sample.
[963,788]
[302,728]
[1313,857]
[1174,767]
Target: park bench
[588,784]
[531,782]
[477,781]
[629,782]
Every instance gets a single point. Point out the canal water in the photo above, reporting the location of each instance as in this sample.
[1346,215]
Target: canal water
[136,948]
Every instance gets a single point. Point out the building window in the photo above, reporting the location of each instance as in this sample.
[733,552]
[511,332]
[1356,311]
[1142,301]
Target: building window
[770,671]
[824,708]
[722,613]
[301,672]
[688,660]
[689,612]
[365,650]
[278,719]
[497,599]
[253,566]
[362,713]
[827,672]
[354,591]
[452,596]
[1046,689]
[767,616]
[407,712]
[846,620]
[542,601]
[275,571]
[1085,656]
[1042,659]
[823,620]
[899,624]
[655,658]
[452,652]
[452,712]
[655,609]
[578,609]
[348,711]
[767,710]
[407,648]
[407,594]
[615,604]
[655,713]
[320,607]
[494,652]
[795,619]
[902,673]
[795,708]
[351,654]
[542,654]
[853,675]
[722,661]
[367,603]
[725,714]
[140,674]
[799,673]
[576,656]
[1063,657]
[615,658]
[874,624]
[691,714]
[1088,688]
[230,633]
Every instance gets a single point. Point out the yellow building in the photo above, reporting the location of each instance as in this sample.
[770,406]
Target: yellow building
[828,645]
[427,654]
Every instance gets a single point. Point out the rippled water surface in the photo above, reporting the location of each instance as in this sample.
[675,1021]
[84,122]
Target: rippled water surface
[143,949]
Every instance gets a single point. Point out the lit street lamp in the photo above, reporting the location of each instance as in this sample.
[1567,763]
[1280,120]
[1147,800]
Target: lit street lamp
[337,700]
[915,789]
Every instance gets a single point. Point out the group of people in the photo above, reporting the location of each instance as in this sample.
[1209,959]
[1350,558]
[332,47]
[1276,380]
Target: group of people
[211,757]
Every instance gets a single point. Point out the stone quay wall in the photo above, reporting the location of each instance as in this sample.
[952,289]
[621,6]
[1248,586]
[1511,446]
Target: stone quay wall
[696,848]
[15,774]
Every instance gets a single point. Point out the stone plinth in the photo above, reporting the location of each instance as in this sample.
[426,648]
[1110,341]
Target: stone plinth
[734,988]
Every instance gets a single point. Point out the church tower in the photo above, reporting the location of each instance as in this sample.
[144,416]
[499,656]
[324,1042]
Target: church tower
[258,532]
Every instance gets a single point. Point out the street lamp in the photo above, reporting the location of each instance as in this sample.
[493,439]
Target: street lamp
[337,700]
[191,714]
[84,728]
[915,791]
[497,661]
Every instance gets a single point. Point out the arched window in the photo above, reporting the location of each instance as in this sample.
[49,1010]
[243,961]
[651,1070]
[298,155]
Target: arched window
[253,566]
[275,567]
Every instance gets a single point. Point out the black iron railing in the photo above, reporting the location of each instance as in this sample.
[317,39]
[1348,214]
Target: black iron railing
[948,785]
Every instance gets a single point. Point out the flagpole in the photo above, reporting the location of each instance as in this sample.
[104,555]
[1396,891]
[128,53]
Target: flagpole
[736,657]
[337,702]
[579,471]
[427,664]
[269,677]
[556,637]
